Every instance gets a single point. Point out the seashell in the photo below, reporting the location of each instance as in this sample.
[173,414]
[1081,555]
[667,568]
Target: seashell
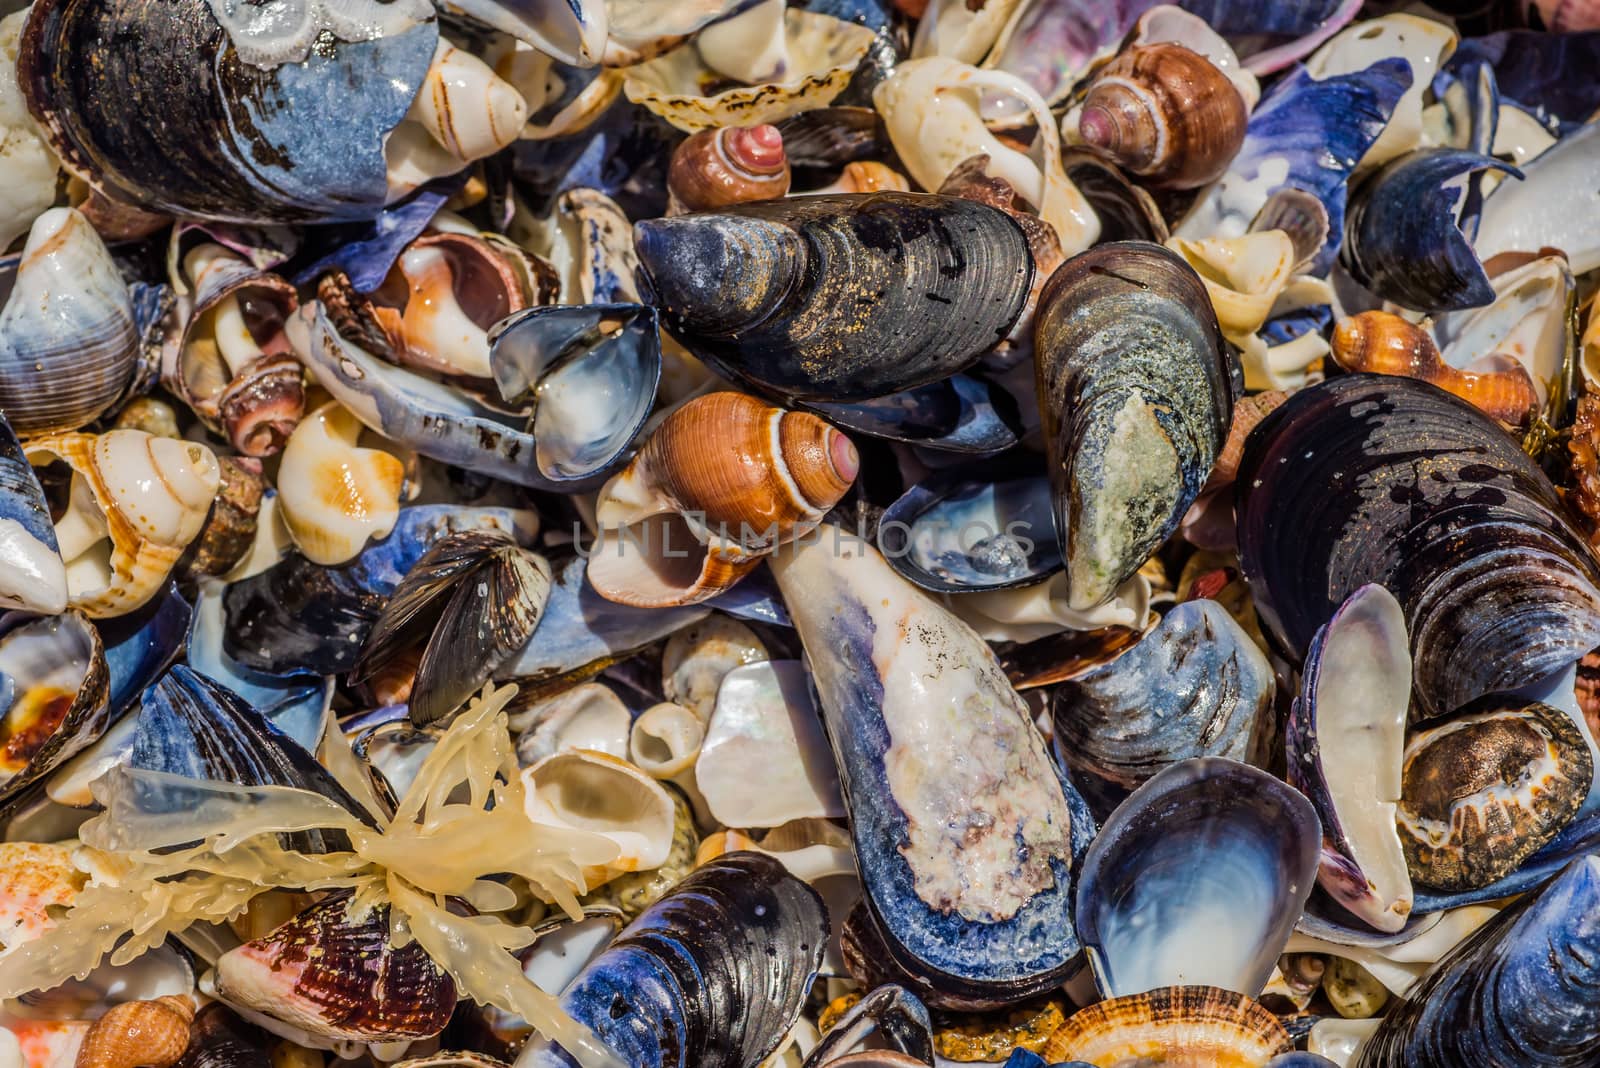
[138,1034]
[834,137]
[1174,1024]
[584,633]
[231,365]
[589,241]
[754,291]
[478,595]
[230,529]
[590,374]
[218,1038]
[1155,892]
[1311,133]
[1540,211]
[34,878]
[1352,990]
[357,986]
[697,658]
[953,29]
[29,185]
[1165,23]
[932,109]
[1243,276]
[588,716]
[988,1038]
[334,494]
[1515,992]
[563,946]
[1136,392]
[728,165]
[590,791]
[976,795]
[1501,595]
[32,577]
[890,1014]
[1381,343]
[55,687]
[68,345]
[1165,113]
[1423,42]
[750,934]
[462,112]
[325,112]
[633,892]
[738,501]
[866,176]
[1487,786]
[822,54]
[1195,686]
[665,740]
[148,496]
[961,414]
[1403,236]
[1530,322]
[765,718]
[435,307]
[1039,613]
[572,33]
[1345,743]
[965,529]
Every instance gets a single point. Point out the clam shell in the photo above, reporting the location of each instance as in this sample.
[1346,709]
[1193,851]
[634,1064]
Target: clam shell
[755,290]
[1197,879]
[1499,590]
[55,687]
[68,343]
[1136,392]
[1172,1025]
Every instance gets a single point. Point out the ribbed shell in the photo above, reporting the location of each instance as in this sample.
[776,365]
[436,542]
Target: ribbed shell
[839,297]
[1368,478]
[1174,1024]
[1136,392]
[339,977]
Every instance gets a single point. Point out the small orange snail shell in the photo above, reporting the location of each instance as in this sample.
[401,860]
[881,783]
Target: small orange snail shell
[722,482]
[1386,344]
[1166,113]
[729,165]
[138,1034]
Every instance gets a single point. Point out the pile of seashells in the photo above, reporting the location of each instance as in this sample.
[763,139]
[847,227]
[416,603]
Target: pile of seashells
[838,534]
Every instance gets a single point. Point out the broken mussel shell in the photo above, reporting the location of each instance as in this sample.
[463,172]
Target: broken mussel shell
[1136,392]
[972,529]
[721,482]
[335,973]
[1487,786]
[1166,113]
[840,297]
[54,697]
[1374,478]
[1179,1025]
[471,601]
[713,975]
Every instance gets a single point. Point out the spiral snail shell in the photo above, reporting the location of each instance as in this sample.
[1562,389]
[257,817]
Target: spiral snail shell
[719,485]
[1166,113]
[728,165]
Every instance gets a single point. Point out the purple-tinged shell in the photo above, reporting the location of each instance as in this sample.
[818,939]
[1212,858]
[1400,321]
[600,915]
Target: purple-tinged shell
[1345,738]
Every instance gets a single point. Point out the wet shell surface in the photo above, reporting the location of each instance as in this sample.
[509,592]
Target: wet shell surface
[1180,1025]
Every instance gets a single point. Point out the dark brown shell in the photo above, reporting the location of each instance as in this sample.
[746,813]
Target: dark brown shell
[230,529]
[1166,113]
[338,976]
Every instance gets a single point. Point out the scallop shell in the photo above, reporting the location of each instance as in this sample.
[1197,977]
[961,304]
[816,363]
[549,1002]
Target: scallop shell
[1172,1025]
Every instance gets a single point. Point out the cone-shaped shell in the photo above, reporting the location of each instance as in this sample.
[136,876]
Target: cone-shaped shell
[337,975]
[728,165]
[1136,393]
[1190,1026]
[966,834]
[839,297]
[723,481]
[1373,478]
[1166,113]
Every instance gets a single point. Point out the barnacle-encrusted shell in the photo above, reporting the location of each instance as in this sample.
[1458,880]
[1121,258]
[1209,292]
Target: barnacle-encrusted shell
[148,495]
[839,297]
[722,482]
[1166,113]
[1199,1025]
[1135,391]
[1373,478]
[337,975]
[1486,787]
[1383,343]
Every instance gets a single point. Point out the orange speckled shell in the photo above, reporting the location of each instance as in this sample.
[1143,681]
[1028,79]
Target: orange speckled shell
[1386,344]
[1176,1026]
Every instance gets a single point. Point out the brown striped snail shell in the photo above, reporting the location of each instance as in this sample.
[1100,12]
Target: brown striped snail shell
[1386,344]
[1166,113]
[728,165]
[708,497]
[138,1034]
